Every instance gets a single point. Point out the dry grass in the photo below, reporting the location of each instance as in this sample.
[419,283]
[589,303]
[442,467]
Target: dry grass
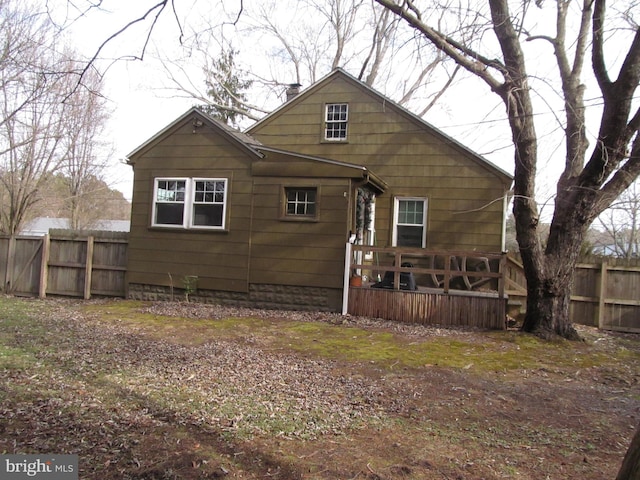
[185,391]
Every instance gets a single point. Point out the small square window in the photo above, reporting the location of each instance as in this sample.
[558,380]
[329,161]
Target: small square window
[300,202]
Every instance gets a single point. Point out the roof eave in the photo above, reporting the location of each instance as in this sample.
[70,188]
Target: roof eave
[194,111]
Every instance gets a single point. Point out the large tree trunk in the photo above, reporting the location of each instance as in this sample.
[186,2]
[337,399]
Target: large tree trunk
[584,190]
[630,469]
[549,284]
[548,304]
[550,274]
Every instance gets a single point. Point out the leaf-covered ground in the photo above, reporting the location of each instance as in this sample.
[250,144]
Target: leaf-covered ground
[186,391]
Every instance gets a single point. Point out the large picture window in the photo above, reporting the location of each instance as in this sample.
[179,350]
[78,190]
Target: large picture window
[336,117]
[190,202]
[410,222]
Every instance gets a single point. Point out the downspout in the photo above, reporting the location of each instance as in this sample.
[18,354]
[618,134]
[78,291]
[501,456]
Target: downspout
[347,274]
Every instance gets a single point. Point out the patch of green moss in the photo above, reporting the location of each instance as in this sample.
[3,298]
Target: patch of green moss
[14,358]
[483,351]
[17,319]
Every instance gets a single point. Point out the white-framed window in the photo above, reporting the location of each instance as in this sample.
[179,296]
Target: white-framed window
[301,202]
[410,222]
[335,125]
[190,203]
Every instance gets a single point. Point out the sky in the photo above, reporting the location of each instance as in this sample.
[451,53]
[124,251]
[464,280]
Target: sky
[142,105]
[131,87]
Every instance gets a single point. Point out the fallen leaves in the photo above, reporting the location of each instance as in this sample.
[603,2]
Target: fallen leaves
[134,405]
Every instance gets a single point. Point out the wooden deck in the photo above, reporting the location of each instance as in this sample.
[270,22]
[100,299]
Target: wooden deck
[452,288]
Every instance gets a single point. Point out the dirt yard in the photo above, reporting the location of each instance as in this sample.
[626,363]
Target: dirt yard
[186,391]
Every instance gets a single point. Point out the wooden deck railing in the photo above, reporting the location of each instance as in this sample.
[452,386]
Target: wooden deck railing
[444,270]
[427,287]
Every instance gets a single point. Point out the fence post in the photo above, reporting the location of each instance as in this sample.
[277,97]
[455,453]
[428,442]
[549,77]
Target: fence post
[44,266]
[11,254]
[88,268]
[602,294]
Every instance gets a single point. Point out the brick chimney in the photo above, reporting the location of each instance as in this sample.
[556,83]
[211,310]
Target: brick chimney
[293,90]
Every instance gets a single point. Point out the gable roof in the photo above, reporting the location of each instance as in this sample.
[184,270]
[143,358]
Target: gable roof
[199,118]
[340,73]
[257,149]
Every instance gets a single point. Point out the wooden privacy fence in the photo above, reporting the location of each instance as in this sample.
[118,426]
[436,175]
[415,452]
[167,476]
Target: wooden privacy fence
[605,294]
[65,264]
[451,288]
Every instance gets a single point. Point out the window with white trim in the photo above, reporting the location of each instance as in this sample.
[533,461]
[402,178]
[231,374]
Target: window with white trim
[190,203]
[410,222]
[336,117]
[301,202]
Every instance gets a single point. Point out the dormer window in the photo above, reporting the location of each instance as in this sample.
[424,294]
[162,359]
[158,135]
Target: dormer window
[335,126]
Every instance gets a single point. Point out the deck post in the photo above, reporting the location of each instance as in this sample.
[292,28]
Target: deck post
[447,274]
[502,268]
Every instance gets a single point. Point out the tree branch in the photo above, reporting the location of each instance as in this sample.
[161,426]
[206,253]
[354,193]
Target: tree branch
[630,70]
[467,58]
[597,50]
[159,6]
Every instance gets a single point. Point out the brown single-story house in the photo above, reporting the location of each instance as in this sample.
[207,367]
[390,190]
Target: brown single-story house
[261,218]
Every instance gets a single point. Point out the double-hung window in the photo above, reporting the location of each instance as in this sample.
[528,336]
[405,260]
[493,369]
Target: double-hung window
[335,125]
[410,222]
[190,203]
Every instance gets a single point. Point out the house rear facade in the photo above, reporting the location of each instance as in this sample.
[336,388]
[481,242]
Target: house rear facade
[261,218]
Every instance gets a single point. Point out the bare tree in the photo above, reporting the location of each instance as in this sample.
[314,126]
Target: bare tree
[31,112]
[621,223]
[86,157]
[630,468]
[218,83]
[32,140]
[353,34]
[21,74]
[47,119]
[312,39]
[589,183]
